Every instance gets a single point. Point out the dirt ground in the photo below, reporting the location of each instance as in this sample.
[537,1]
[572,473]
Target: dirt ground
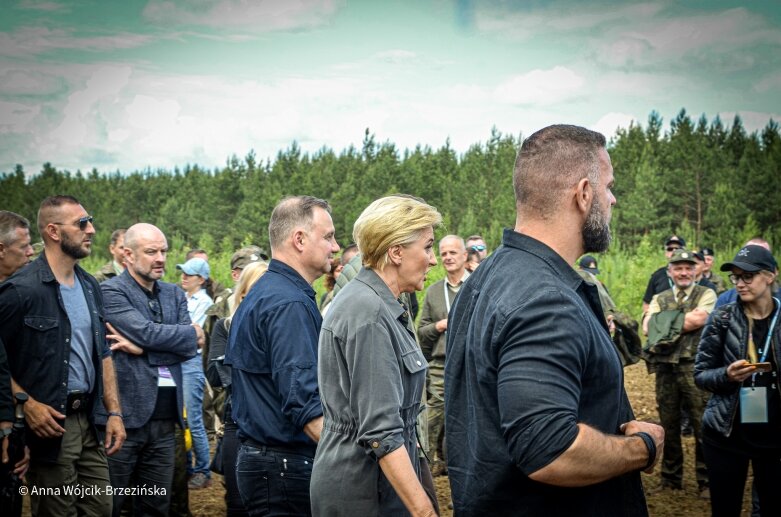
[640,387]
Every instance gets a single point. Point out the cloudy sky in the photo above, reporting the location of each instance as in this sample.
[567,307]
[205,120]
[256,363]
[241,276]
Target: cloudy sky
[159,83]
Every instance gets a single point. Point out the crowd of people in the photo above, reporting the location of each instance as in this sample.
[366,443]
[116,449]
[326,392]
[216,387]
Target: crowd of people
[511,382]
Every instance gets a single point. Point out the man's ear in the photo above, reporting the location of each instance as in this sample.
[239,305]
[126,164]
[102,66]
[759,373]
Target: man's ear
[2,250]
[52,232]
[584,195]
[299,238]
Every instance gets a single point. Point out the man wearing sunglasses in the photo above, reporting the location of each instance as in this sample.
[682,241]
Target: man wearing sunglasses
[660,280]
[477,243]
[51,320]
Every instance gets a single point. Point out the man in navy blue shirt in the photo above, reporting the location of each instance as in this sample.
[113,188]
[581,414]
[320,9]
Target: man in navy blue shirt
[537,418]
[272,349]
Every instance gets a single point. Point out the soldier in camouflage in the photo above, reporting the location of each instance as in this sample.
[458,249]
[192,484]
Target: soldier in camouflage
[117,264]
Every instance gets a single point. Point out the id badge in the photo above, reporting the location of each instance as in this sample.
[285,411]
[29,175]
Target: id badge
[753,405]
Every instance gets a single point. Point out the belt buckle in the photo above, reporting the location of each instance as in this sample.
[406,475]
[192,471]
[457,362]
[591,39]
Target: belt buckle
[76,404]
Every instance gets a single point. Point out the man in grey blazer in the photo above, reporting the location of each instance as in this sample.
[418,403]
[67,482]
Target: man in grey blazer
[152,335]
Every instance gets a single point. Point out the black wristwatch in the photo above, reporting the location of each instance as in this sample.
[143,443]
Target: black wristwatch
[115,413]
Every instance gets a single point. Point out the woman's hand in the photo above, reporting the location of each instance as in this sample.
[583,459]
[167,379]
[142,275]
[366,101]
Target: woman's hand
[740,370]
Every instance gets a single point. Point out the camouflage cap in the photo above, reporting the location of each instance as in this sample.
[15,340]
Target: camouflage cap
[246,256]
[682,255]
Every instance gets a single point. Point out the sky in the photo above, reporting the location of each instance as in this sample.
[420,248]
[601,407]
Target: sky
[156,84]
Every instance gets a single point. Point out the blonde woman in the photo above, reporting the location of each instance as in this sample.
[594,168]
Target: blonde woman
[371,372]
[220,375]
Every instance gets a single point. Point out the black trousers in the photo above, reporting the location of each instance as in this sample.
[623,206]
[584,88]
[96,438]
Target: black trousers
[728,469]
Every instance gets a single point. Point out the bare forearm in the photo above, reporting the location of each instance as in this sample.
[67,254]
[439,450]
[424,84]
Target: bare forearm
[592,458]
[313,428]
[110,392]
[694,320]
[397,467]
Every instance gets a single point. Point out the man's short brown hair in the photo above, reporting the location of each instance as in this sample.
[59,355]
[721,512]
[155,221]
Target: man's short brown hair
[291,212]
[48,206]
[551,161]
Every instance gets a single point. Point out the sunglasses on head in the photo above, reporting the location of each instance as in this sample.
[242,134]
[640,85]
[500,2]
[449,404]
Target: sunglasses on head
[478,247]
[82,223]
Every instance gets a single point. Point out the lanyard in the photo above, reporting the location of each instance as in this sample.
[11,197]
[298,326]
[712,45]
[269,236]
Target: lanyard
[766,347]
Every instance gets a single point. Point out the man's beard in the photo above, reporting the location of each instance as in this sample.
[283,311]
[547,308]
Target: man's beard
[596,230]
[73,249]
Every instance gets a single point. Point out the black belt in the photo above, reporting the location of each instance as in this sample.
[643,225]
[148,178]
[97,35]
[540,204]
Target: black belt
[78,401]
[302,450]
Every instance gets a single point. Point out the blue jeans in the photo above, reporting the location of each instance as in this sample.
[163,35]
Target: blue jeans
[145,459]
[273,482]
[194,382]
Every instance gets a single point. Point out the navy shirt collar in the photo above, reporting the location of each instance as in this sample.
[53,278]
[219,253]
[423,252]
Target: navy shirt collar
[545,253]
[561,268]
[294,276]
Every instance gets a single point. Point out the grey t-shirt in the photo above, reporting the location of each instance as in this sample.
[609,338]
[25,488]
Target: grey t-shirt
[81,372]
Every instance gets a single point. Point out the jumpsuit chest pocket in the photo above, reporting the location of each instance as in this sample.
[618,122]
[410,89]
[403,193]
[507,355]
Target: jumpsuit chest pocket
[41,336]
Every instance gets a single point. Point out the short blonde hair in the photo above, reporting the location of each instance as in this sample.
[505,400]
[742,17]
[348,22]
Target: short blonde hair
[249,275]
[390,221]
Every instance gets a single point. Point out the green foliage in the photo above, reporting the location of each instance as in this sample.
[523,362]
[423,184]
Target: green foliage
[714,184]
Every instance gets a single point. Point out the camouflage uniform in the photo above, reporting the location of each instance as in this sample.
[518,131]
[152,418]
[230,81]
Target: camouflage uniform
[675,388]
[109,270]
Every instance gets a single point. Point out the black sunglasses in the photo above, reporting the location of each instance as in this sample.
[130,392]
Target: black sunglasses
[83,222]
[672,248]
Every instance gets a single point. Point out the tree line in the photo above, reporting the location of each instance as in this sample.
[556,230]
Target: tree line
[715,184]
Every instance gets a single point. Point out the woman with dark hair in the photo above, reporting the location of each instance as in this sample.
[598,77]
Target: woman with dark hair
[738,361]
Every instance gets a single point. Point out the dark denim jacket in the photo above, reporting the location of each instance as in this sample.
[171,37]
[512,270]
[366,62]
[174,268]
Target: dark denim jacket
[37,332]
[529,357]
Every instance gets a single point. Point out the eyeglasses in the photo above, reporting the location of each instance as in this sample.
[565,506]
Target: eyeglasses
[672,248]
[478,247]
[746,277]
[83,222]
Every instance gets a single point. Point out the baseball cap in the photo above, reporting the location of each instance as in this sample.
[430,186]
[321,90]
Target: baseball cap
[674,239]
[682,255]
[699,255]
[707,252]
[589,263]
[752,258]
[246,256]
[195,266]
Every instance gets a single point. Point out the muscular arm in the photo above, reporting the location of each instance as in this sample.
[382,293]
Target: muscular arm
[595,457]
